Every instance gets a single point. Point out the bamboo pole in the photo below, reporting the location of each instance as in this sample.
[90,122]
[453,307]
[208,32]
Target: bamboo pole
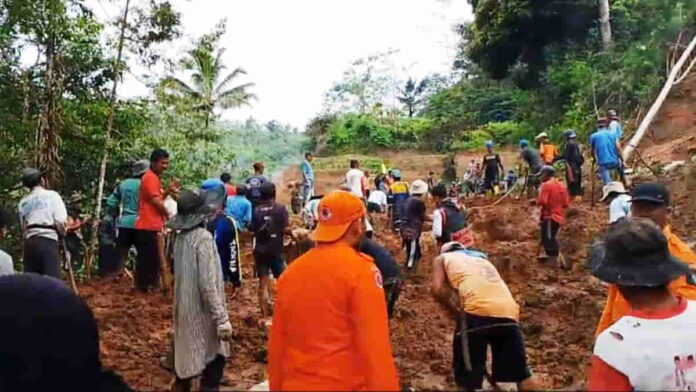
[635,140]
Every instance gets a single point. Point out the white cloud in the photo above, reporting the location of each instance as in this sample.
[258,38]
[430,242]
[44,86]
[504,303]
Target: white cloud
[295,49]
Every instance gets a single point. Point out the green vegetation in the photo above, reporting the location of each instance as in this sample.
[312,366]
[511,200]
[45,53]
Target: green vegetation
[55,109]
[524,67]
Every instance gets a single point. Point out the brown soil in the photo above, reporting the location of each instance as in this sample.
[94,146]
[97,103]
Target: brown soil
[559,309]
[673,132]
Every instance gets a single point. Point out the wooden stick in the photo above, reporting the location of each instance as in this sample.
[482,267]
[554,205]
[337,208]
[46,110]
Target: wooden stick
[164,266]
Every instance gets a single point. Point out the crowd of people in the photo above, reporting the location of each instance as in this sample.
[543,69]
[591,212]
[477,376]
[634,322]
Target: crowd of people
[349,282]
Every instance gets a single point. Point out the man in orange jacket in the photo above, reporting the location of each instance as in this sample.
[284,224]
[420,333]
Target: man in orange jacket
[330,328]
[547,150]
[651,201]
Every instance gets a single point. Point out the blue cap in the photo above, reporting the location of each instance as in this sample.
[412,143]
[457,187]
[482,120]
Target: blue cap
[488,143]
[211,183]
[396,173]
[569,134]
[524,143]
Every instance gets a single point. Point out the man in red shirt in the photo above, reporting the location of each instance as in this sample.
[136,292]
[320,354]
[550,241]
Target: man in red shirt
[150,223]
[330,330]
[553,200]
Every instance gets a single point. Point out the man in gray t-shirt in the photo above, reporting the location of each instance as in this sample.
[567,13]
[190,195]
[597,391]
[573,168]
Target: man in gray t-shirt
[532,158]
[6,266]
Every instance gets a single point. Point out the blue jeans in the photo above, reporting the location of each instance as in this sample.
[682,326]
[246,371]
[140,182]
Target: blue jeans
[605,171]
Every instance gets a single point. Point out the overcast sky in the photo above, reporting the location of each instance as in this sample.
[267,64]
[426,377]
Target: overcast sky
[295,49]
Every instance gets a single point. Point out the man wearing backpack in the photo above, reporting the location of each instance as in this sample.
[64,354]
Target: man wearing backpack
[254,184]
[269,224]
[414,217]
[449,219]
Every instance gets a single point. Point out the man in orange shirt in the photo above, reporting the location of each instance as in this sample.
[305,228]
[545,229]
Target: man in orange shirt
[651,201]
[547,150]
[553,200]
[151,217]
[330,328]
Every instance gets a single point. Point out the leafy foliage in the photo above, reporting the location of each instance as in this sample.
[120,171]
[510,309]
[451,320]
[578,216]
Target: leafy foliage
[210,88]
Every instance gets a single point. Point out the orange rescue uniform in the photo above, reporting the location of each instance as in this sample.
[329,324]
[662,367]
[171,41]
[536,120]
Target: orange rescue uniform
[617,307]
[330,329]
[548,153]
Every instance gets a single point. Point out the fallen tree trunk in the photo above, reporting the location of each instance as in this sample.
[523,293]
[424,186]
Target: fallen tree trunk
[635,140]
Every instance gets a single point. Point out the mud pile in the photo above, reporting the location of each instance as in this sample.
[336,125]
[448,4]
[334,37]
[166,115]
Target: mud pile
[559,309]
[135,332]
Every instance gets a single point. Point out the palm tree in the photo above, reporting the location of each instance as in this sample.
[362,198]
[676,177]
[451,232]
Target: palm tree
[410,94]
[205,93]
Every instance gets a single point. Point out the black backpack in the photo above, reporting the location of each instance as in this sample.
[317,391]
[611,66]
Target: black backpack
[454,220]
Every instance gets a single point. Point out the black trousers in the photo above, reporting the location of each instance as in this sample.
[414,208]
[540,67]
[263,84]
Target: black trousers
[574,186]
[392,289]
[147,271]
[41,256]
[210,378]
[549,231]
[505,339]
[230,256]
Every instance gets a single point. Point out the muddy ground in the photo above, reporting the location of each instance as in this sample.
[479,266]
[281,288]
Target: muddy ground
[559,310]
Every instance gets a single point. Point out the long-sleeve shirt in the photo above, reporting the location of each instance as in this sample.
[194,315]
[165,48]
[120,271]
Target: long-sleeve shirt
[124,201]
[240,209]
[572,154]
[338,340]
[617,306]
[199,302]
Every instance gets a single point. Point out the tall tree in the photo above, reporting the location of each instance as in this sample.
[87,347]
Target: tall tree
[511,33]
[363,86]
[162,26]
[605,24]
[411,95]
[210,90]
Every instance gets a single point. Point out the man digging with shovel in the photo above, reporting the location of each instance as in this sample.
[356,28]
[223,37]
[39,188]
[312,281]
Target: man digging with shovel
[469,287]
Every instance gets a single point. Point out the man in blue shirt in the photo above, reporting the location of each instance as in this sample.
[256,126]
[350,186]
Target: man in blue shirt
[239,208]
[254,184]
[606,151]
[307,177]
[614,124]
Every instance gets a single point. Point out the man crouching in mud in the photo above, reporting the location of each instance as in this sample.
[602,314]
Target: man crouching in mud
[469,287]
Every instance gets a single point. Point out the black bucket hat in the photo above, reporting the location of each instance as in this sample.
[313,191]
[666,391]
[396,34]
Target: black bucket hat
[635,253]
[194,207]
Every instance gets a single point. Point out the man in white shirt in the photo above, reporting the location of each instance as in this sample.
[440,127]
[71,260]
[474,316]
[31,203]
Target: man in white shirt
[6,266]
[377,202]
[354,179]
[43,216]
[619,201]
